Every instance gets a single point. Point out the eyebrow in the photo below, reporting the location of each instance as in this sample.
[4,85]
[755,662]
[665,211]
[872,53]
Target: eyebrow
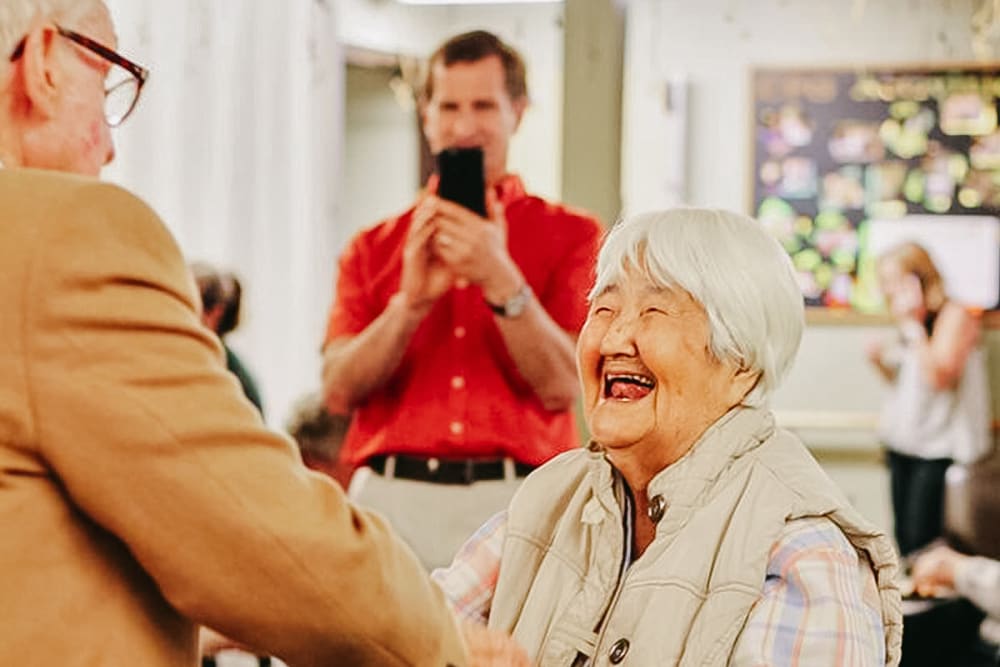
[612,288]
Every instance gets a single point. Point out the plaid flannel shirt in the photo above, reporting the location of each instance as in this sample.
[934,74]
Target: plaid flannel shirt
[819,603]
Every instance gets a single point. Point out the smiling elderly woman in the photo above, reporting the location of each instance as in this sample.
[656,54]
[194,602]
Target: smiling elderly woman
[691,531]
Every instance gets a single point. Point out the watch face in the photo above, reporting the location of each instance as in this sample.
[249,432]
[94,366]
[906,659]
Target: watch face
[517,303]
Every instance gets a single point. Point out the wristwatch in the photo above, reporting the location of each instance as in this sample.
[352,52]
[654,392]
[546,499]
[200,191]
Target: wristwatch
[513,306]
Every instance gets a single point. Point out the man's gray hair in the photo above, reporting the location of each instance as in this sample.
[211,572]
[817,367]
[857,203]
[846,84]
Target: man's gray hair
[16,17]
[730,265]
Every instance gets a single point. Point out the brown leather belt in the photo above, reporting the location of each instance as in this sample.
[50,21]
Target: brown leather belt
[445,471]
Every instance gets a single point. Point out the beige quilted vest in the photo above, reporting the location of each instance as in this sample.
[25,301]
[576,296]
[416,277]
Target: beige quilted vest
[686,600]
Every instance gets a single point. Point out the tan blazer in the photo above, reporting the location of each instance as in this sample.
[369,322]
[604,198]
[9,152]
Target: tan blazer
[140,495]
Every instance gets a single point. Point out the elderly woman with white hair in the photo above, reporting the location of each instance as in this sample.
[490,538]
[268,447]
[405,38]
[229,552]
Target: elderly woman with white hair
[691,531]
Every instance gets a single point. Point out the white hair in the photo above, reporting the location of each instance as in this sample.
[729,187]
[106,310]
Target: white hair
[729,264]
[16,17]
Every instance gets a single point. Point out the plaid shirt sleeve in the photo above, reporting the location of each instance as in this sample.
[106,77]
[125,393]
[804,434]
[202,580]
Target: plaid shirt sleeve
[470,580]
[820,604]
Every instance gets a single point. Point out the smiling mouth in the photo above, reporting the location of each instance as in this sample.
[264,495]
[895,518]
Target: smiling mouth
[627,386]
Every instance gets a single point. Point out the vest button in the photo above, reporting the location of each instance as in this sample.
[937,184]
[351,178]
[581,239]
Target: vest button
[657,506]
[618,651]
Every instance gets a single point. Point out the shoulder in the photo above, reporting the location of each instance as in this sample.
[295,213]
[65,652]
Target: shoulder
[565,219]
[552,484]
[790,468]
[74,212]
[56,192]
[566,467]
[956,319]
[386,231]
[373,246]
[87,233]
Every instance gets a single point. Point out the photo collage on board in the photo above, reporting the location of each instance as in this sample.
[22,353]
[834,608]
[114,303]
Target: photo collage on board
[837,149]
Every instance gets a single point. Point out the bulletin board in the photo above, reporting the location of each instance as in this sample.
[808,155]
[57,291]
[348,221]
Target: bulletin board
[844,159]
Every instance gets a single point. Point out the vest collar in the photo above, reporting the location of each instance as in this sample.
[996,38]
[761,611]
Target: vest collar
[687,483]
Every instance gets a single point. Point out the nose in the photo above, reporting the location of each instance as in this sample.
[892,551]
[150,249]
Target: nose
[619,338]
[464,127]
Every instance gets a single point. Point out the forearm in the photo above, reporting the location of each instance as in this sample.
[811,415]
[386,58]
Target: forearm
[887,371]
[543,354]
[354,367]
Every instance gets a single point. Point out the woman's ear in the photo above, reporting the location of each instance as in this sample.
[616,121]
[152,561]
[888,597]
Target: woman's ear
[40,70]
[744,379]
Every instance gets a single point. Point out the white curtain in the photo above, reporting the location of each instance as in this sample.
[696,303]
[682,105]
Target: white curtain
[236,144]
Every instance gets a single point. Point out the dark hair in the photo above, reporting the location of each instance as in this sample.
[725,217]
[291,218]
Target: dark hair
[318,433]
[219,289]
[472,47]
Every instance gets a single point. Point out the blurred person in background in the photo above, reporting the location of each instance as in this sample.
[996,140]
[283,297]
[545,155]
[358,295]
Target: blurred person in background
[221,304]
[938,407]
[140,494]
[450,339]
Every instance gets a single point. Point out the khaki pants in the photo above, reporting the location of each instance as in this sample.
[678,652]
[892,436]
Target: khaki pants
[434,519]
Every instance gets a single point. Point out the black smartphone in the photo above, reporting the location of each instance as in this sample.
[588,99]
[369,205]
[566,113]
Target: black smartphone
[462,179]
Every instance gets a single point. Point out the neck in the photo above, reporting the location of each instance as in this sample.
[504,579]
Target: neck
[10,155]
[642,462]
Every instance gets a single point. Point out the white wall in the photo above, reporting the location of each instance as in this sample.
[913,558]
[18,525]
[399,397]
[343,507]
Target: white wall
[714,43]
[381,149]
[235,143]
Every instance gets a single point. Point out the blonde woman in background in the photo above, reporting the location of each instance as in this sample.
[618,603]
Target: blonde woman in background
[938,407]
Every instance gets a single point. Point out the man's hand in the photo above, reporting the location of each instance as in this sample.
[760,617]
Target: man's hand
[935,570]
[475,248]
[425,277]
[490,648]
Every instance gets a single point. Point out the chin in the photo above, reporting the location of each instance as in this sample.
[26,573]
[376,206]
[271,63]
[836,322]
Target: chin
[614,434]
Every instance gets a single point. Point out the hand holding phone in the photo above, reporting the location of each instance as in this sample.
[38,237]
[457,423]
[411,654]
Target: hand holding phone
[462,178]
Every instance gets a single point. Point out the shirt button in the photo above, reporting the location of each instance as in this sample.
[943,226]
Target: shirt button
[459,332]
[457,428]
[461,283]
[618,651]
[458,382]
[657,506]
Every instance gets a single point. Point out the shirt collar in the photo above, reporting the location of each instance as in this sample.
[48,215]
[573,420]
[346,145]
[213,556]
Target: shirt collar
[508,189]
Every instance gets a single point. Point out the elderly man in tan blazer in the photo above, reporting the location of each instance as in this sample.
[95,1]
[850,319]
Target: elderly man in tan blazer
[140,495]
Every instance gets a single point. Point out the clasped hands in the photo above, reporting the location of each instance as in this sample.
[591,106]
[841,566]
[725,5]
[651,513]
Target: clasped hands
[447,243]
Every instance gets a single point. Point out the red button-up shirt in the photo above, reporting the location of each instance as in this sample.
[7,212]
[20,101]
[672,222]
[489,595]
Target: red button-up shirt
[457,392]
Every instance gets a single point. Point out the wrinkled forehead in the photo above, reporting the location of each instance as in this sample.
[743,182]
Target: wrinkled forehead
[631,266]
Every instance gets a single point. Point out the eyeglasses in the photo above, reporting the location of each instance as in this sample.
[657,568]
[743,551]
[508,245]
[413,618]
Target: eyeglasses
[120,94]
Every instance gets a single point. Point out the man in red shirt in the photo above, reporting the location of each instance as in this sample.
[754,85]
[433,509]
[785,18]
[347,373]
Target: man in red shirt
[451,335]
